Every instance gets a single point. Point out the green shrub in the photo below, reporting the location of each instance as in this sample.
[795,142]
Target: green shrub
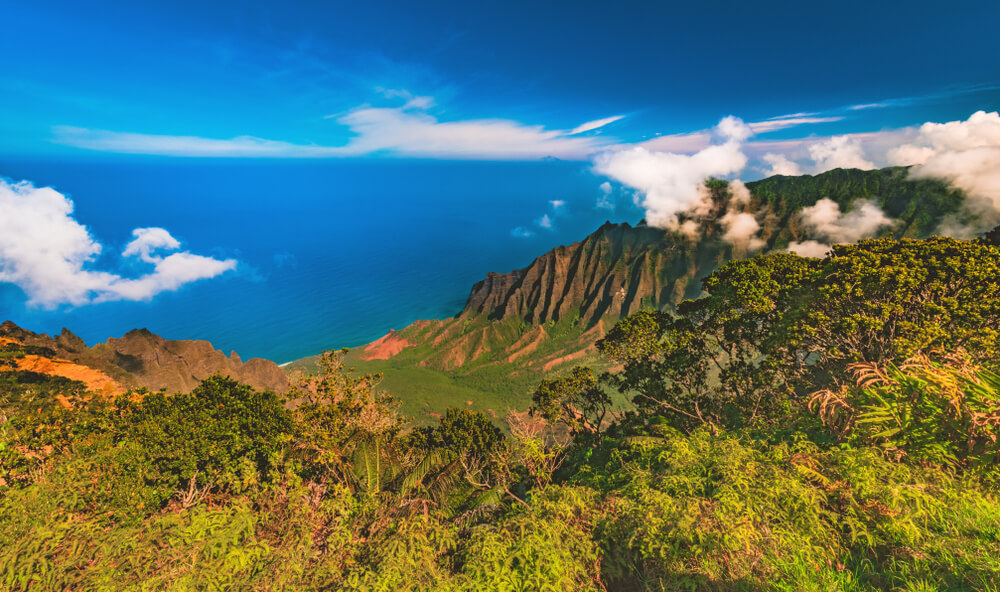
[224,434]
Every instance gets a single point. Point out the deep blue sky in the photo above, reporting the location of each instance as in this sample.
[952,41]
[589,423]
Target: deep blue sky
[274,70]
[379,157]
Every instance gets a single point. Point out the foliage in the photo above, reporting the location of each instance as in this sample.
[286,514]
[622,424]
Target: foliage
[577,400]
[464,432]
[775,327]
[346,428]
[224,433]
[725,512]
[706,365]
[719,477]
[924,410]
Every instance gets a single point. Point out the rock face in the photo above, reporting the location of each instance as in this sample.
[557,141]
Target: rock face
[612,273]
[553,311]
[140,358]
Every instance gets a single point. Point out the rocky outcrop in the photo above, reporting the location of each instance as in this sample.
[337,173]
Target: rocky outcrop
[612,273]
[581,289]
[143,359]
[585,287]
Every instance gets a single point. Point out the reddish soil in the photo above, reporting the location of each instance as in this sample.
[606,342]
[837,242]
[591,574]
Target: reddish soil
[97,382]
[389,345]
[564,359]
[527,344]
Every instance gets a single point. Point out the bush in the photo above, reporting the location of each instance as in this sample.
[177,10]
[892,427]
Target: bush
[223,433]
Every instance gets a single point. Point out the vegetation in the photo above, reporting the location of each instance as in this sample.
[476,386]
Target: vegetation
[805,425]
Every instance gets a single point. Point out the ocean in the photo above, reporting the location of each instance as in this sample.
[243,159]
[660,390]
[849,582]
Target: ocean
[331,253]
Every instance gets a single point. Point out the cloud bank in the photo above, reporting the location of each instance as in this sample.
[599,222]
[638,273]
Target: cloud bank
[967,155]
[671,183]
[46,252]
[840,152]
[825,221]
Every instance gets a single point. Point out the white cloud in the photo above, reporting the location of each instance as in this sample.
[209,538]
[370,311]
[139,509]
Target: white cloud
[825,220]
[521,232]
[592,125]
[780,123]
[544,222]
[689,229]
[605,201]
[781,165]
[740,227]
[741,230]
[419,134]
[809,248]
[412,101]
[148,240]
[864,106]
[740,195]
[46,252]
[408,130]
[966,154]
[162,145]
[557,203]
[672,183]
[840,152]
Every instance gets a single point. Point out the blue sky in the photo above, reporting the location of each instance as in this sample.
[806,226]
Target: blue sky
[296,72]
[203,168]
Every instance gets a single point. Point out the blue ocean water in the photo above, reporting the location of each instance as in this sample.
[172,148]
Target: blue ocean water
[332,253]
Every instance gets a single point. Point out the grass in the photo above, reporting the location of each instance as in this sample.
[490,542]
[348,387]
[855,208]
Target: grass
[492,384]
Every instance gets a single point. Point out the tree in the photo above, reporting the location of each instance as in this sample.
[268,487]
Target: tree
[773,328]
[223,432]
[705,364]
[346,427]
[577,400]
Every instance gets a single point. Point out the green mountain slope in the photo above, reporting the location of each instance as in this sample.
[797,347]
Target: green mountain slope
[521,326]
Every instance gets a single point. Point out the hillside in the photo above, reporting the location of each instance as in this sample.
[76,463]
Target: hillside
[141,359]
[520,326]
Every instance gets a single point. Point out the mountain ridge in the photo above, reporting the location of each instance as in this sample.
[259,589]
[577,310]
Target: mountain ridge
[519,326]
[141,358]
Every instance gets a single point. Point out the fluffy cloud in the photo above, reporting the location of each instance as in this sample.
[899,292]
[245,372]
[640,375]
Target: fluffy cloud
[967,154]
[740,227]
[739,193]
[521,232]
[672,183]
[781,165]
[825,221]
[148,240]
[46,252]
[544,222]
[605,201]
[557,203]
[809,248]
[741,231]
[840,152]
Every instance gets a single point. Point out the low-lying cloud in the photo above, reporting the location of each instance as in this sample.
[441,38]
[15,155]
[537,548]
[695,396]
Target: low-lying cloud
[967,155]
[741,227]
[47,254]
[840,152]
[824,221]
[672,183]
